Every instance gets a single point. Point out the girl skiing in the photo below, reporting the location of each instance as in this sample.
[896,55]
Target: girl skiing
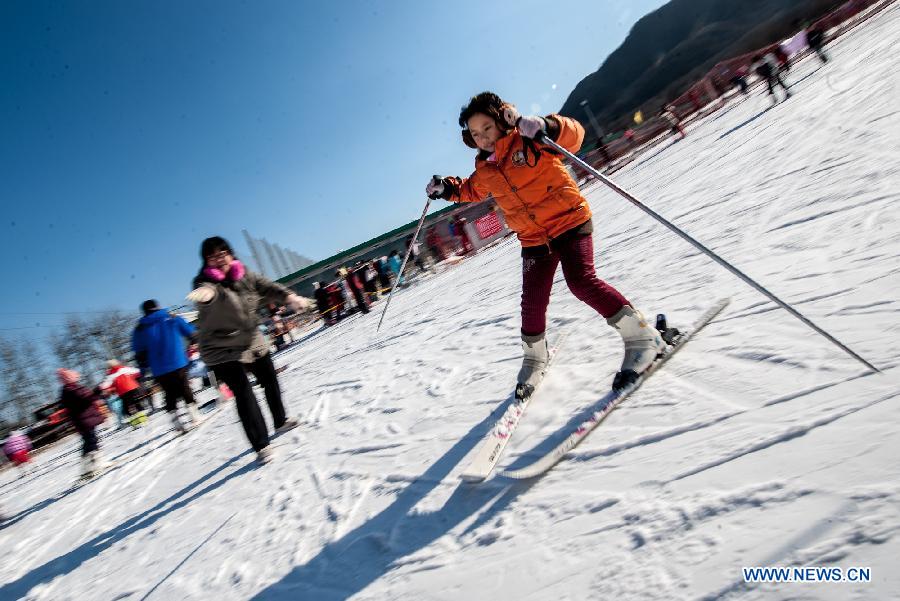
[543,205]
[81,404]
[228,297]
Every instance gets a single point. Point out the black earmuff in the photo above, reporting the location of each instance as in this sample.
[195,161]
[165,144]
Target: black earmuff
[468,140]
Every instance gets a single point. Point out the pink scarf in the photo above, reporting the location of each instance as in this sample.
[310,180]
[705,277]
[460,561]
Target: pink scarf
[235,272]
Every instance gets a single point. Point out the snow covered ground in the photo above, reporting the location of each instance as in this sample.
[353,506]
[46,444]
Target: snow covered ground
[759,445]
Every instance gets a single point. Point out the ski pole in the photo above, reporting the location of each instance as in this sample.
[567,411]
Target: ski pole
[403,265]
[543,139]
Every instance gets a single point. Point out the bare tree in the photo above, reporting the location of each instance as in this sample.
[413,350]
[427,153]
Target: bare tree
[75,348]
[43,376]
[112,330]
[24,379]
[85,343]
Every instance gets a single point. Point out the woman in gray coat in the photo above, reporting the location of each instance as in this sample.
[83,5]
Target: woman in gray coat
[227,297]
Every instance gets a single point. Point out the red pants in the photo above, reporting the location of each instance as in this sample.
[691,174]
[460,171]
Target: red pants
[19,457]
[576,253]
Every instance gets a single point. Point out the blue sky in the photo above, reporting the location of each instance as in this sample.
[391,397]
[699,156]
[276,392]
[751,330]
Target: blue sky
[130,131]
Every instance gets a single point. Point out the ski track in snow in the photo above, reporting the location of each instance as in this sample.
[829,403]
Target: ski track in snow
[760,445]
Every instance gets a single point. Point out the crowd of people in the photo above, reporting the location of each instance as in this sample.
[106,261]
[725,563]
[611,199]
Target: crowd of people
[355,288]
[235,307]
[233,303]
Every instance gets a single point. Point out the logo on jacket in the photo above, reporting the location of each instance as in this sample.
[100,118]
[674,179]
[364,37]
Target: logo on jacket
[518,158]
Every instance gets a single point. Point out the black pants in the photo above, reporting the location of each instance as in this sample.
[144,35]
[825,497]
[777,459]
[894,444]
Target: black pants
[234,374]
[175,385]
[775,80]
[131,401]
[89,440]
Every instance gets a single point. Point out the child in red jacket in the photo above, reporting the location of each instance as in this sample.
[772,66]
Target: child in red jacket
[123,380]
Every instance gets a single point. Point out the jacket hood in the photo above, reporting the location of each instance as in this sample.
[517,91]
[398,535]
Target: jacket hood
[155,317]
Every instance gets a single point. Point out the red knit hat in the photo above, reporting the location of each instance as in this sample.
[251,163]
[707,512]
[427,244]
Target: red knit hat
[68,376]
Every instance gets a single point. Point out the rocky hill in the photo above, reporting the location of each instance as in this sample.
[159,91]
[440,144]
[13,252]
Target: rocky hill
[676,44]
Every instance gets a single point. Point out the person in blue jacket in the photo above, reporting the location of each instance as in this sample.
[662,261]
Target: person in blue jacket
[394,264]
[158,344]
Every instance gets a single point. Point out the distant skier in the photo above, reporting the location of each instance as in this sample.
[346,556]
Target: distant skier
[346,292]
[415,254]
[384,276]
[354,286]
[435,245]
[228,297]
[321,295]
[394,263]
[81,405]
[370,280]
[552,219]
[337,299]
[740,79]
[158,342]
[671,117]
[766,66]
[458,231]
[782,58]
[603,150]
[123,381]
[815,39]
[17,448]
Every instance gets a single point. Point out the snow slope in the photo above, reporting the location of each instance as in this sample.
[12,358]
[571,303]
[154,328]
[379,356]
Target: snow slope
[759,445]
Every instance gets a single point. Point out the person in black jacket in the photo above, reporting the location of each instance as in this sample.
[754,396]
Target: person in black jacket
[228,297]
[80,402]
[815,38]
[384,276]
[322,304]
[766,67]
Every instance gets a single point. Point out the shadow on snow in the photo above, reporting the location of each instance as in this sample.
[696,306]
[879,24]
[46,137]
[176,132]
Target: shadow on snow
[91,549]
[346,566]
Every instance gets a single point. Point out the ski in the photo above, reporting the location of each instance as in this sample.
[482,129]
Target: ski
[611,401]
[492,448]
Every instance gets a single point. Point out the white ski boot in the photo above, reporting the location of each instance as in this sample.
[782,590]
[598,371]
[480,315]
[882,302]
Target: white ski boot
[264,455]
[87,467]
[289,424]
[92,465]
[536,355]
[643,343]
[196,418]
[177,423]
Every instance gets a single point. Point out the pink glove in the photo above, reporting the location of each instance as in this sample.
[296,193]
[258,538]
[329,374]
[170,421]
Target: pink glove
[531,126]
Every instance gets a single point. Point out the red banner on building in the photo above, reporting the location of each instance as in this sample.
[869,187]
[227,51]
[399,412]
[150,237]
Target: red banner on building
[488,225]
